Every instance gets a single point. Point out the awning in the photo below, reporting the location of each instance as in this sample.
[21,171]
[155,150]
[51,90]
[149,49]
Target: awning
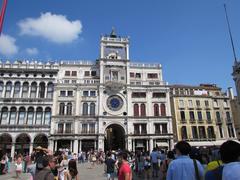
[162,144]
[202,143]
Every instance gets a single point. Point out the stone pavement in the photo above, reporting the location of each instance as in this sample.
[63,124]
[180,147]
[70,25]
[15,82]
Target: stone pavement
[86,172]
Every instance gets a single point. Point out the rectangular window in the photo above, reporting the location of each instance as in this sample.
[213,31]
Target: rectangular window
[208,116]
[157,129]
[158,95]
[202,133]
[191,115]
[67,73]
[136,129]
[93,73]
[131,74]
[62,93]
[152,75]
[194,132]
[144,129]
[85,93]
[66,81]
[198,103]
[92,128]
[199,115]
[114,75]
[122,78]
[164,129]
[60,128]
[92,93]
[138,75]
[68,127]
[206,103]
[70,93]
[181,103]
[74,81]
[84,128]
[182,113]
[228,116]
[218,117]
[215,103]
[86,73]
[190,103]
[220,131]
[74,73]
[138,95]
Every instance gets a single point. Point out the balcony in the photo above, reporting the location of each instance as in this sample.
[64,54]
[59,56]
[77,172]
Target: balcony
[192,120]
[209,121]
[59,132]
[88,132]
[183,121]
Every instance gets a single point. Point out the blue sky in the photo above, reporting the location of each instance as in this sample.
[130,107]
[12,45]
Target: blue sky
[188,37]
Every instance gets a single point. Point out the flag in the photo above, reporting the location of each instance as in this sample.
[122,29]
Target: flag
[2,14]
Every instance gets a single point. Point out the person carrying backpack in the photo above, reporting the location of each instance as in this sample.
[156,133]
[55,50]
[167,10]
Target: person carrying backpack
[230,170]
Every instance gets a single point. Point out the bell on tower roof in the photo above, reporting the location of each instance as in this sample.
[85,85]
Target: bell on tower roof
[113,33]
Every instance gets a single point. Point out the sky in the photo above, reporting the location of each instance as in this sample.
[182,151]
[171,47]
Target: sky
[188,37]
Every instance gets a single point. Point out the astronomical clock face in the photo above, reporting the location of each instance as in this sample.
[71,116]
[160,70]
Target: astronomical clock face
[114,103]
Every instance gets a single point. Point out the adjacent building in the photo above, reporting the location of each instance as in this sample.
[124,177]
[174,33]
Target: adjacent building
[201,114]
[26,99]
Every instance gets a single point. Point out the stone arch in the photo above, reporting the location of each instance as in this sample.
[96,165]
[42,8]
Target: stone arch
[40,140]
[22,143]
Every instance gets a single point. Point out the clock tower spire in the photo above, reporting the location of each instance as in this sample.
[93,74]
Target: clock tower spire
[114,47]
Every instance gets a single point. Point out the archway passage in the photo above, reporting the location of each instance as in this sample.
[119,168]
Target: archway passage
[5,144]
[40,140]
[114,137]
[22,144]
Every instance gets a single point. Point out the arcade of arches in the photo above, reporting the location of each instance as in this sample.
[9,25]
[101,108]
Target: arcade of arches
[23,143]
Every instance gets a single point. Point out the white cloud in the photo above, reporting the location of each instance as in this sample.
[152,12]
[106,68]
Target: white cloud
[7,45]
[32,51]
[53,27]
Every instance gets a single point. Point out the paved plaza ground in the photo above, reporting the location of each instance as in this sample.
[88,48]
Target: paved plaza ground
[85,172]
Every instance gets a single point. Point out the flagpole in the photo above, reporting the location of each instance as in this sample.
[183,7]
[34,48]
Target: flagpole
[230,34]
[3,10]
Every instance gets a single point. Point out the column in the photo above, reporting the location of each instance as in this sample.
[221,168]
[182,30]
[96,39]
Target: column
[31,148]
[45,93]
[51,145]
[95,144]
[55,147]
[21,88]
[129,144]
[151,144]
[37,93]
[13,150]
[71,144]
[29,90]
[147,144]
[100,143]
[80,145]
[133,143]
[64,128]
[75,146]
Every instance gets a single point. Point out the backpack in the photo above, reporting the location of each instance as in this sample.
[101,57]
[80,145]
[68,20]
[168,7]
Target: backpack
[39,163]
[218,172]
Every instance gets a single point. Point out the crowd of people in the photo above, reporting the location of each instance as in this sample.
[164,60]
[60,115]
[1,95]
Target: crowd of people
[182,163]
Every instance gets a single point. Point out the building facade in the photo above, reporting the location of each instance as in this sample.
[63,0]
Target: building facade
[201,114]
[236,100]
[26,99]
[111,103]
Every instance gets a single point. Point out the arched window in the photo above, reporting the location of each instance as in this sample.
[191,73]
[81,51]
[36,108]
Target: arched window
[16,93]
[136,110]
[1,88]
[184,132]
[13,115]
[47,118]
[8,89]
[143,110]
[69,108]
[85,109]
[92,109]
[163,110]
[33,90]
[30,116]
[42,90]
[156,109]
[61,108]
[25,90]
[21,115]
[39,114]
[50,90]
[4,116]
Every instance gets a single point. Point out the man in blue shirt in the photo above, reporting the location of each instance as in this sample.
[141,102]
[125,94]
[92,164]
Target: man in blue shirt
[183,167]
[154,161]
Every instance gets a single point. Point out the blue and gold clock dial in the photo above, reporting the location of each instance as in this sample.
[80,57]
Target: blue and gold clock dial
[114,102]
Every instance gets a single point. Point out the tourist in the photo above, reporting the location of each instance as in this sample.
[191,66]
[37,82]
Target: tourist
[19,166]
[93,159]
[124,172]
[154,161]
[147,165]
[3,165]
[230,154]
[63,167]
[31,168]
[183,167]
[165,164]
[72,172]
[48,163]
[140,163]
[110,164]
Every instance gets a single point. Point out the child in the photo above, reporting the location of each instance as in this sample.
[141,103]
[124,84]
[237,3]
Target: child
[18,166]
